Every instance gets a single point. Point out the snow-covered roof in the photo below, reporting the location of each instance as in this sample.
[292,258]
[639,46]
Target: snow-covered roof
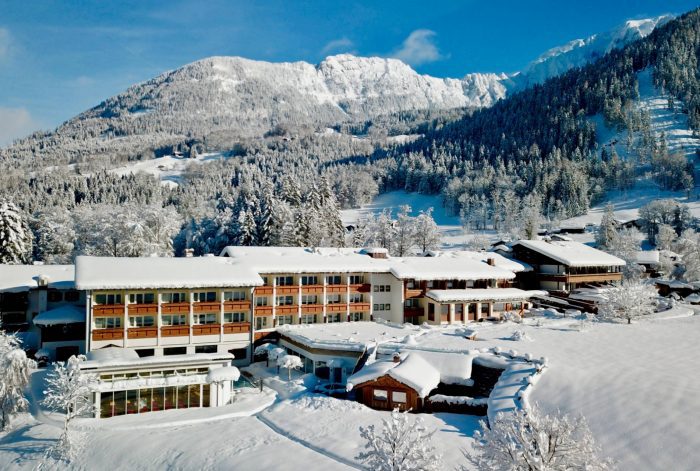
[413,370]
[162,272]
[675,284]
[498,260]
[571,253]
[693,298]
[647,257]
[66,314]
[454,368]
[116,357]
[488,294]
[16,278]
[225,373]
[447,268]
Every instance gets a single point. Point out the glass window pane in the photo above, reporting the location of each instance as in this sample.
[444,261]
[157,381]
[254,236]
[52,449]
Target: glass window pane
[380,394]
[397,396]
[205,395]
[170,398]
[195,395]
[106,404]
[119,403]
[158,401]
[182,401]
[144,400]
[132,403]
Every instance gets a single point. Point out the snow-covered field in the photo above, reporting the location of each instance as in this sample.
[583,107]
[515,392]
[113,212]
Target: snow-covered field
[636,384]
[168,169]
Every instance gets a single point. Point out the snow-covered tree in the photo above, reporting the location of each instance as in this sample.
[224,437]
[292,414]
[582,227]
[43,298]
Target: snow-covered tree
[404,235]
[625,244]
[607,231]
[14,378]
[632,299]
[426,231]
[535,441]
[15,235]
[688,247]
[401,445]
[665,237]
[290,362]
[68,392]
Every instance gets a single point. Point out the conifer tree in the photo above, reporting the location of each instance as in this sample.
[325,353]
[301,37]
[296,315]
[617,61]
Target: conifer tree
[15,235]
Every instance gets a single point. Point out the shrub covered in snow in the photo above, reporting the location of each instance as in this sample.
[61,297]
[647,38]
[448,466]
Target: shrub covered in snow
[290,362]
[520,335]
[512,317]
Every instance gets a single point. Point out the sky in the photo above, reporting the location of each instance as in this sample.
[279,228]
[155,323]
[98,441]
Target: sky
[61,57]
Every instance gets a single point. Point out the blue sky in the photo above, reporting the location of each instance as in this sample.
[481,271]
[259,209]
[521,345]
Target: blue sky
[58,58]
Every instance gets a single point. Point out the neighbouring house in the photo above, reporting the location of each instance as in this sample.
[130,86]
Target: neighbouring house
[468,305]
[650,260]
[677,288]
[129,384]
[563,266]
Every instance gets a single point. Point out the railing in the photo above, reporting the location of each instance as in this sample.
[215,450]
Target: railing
[336,307]
[237,328]
[263,291]
[312,289]
[206,329]
[288,309]
[583,278]
[142,332]
[336,288]
[107,334]
[263,310]
[175,331]
[143,309]
[175,308]
[236,305]
[413,293]
[360,288]
[359,307]
[108,309]
[206,307]
[311,308]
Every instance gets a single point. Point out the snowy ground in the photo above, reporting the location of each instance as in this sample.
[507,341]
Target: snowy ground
[636,385]
[168,169]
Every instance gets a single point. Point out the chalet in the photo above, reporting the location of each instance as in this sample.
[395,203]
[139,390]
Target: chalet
[566,265]
[650,260]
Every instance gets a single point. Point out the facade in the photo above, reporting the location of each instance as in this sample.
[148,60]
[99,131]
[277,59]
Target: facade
[564,265]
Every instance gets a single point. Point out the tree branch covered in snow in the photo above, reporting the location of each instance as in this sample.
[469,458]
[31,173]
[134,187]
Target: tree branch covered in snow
[14,378]
[633,298]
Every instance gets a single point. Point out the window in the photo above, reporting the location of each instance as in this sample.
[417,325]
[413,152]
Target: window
[108,299]
[261,301]
[230,317]
[376,307]
[387,307]
[309,299]
[309,280]
[209,318]
[430,284]
[54,296]
[412,303]
[142,298]
[308,318]
[284,280]
[174,319]
[410,284]
[285,300]
[333,298]
[234,295]
[174,351]
[145,352]
[204,297]
[260,323]
[142,321]
[356,279]
[355,298]
[334,280]
[333,318]
[449,284]
[356,316]
[284,320]
[264,278]
[108,322]
[175,298]
[71,296]
[485,308]
[239,353]
[398,396]
[431,311]
[380,394]
[382,307]
[205,349]
[382,288]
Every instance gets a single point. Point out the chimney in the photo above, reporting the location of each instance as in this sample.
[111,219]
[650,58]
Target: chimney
[189,252]
[491,261]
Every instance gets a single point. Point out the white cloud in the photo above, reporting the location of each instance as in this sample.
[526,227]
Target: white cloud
[4,43]
[15,123]
[419,48]
[338,45]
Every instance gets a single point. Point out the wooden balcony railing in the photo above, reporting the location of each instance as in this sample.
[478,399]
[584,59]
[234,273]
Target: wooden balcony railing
[311,308]
[263,310]
[312,289]
[336,288]
[413,293]
[236,305]
[289,309]
[206,329]
[108,310]
[142,309]
[342,307]
[107,334]
[175,331]
[287,290]
[237,328]
[175,308]
[206,307]
[142,332]
[583,278]
[359,307]
[361,288]
[263,291]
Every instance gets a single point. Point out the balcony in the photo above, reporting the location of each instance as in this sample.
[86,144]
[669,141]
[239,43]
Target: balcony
[143,309]
[206,307]
[413,293]
[582,278]
[107,334]
[142,332]
[237,328]
[287,290]
[336,289]
[361,288]
[175,331]
[263,291]
[236,306]
[336,307]
[263,310]
[108,310]
[413,311]
[289,309]
[206,329]
[312,289]
[359,307]
[175,308]
[312,308]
